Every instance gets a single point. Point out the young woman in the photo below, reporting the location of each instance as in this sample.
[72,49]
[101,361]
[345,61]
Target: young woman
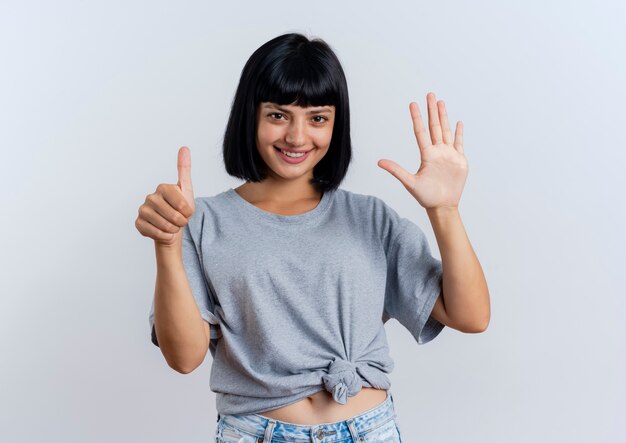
[289,279]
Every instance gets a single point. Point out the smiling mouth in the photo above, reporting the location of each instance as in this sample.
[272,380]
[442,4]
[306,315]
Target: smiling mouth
[291,150]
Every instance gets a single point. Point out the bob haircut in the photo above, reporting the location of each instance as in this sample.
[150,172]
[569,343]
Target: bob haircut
[289,69]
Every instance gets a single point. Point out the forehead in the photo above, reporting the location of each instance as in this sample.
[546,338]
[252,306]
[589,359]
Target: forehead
[296,109]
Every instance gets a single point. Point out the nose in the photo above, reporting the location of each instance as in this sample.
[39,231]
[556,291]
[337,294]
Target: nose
[296,135]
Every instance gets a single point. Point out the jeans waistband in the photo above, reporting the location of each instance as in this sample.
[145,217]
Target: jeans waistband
[265,429]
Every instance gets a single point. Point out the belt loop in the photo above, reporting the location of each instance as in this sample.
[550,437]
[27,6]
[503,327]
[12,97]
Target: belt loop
[353,431]
[269,431]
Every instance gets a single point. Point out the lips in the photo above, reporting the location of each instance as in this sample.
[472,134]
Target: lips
[289,150]
[295,160]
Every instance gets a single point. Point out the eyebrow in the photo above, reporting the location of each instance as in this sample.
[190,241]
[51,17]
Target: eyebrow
[314,111]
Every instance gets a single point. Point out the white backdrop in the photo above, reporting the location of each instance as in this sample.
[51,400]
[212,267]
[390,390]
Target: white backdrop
[97,97]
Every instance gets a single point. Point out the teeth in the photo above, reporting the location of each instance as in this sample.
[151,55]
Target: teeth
[291,154]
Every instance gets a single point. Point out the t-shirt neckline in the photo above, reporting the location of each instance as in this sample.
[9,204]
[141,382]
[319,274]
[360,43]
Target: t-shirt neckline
[253,210]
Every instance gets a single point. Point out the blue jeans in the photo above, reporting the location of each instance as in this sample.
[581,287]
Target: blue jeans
[378,424]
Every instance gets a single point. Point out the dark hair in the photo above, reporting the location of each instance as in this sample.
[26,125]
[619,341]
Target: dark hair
[289,69]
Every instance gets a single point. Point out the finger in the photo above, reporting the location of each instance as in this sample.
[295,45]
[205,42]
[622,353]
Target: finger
[397,171]
[156,219]
[170,201]
[149,230]
[418,126]
[458,137]
[433,119]
[445,125]
[184,169]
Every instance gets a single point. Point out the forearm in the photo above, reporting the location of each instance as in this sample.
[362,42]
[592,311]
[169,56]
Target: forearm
[465,291]
[178,322]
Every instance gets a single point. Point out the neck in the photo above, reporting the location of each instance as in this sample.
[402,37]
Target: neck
[281,192]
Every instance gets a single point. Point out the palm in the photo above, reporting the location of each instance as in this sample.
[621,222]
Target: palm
[440,179]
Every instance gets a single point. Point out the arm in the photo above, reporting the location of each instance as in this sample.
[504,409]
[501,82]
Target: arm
[437,186]
[465,297]
[182,334]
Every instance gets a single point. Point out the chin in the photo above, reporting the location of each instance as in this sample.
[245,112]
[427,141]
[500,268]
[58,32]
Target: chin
[293,176]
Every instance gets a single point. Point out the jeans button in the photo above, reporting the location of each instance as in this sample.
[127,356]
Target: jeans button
[320,434]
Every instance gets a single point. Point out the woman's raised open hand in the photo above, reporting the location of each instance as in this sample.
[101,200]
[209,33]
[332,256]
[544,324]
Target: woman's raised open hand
[169,208]
[441,176]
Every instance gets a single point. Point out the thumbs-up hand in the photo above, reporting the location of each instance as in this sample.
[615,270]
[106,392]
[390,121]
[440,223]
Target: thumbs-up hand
[169,208]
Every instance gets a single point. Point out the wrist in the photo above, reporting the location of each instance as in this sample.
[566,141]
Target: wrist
[442,211]
[168,251]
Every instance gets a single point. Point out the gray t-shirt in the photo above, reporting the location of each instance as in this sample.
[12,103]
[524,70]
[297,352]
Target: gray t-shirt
[297,303]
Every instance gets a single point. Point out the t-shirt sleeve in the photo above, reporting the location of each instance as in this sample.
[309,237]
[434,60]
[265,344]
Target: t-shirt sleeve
[192,262]
[414,280]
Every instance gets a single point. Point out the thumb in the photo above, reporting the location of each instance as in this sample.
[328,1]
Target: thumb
[184,174]
[397,171]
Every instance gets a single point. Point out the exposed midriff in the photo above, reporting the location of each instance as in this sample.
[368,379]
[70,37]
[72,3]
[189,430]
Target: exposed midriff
[322,408]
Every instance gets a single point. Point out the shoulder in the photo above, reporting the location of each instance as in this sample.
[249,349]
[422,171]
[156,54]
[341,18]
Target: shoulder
[209,210]
[215,206]
[212,202]
[370,204]
[389,225]
[369,210]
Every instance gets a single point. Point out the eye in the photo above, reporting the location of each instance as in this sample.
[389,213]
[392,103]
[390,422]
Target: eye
[324,119]
[275,113]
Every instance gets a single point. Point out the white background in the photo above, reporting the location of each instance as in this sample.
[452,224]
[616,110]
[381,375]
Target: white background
[97,97]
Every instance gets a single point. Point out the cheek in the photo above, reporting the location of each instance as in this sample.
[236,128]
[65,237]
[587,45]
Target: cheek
[324,138]
[268,133]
